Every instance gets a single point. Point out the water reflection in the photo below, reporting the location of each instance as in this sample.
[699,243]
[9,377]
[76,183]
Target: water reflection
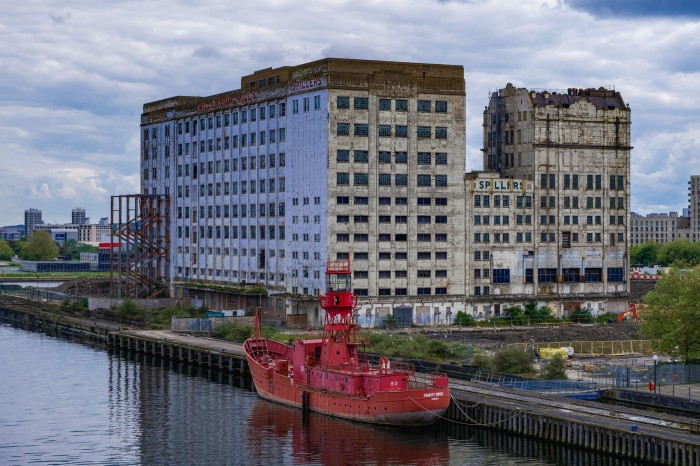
[316,439]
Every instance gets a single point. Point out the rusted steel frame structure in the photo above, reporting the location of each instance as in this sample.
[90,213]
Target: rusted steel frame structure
[140,237]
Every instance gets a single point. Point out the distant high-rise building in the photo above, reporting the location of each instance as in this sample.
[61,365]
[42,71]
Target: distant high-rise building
[658,227]
[32,217]
[78,216]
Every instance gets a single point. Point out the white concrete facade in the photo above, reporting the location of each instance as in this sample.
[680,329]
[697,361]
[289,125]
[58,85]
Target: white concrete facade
[572,151]
[260,193]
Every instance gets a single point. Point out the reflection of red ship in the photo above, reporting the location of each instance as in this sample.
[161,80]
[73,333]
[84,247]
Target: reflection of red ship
[276,432]
[326,375]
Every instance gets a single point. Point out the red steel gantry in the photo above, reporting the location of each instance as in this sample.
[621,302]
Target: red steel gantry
[140,238]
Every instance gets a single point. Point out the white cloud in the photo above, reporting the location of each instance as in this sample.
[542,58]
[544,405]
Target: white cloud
[76,75]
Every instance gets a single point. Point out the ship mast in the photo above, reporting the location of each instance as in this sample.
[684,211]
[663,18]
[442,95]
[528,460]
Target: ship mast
[339,345]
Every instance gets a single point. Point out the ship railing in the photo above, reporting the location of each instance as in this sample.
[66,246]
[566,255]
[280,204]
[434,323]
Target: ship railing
[258,348]
[421,380]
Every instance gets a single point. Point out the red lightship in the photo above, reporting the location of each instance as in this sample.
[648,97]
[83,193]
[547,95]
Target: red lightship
[328,375]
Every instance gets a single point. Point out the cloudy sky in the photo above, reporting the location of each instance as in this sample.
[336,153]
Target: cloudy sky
[74,75]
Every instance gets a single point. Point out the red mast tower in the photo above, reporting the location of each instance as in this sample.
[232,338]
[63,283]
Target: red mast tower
[339,343]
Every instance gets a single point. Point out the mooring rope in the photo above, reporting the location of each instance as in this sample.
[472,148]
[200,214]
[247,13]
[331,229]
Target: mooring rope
[516,412]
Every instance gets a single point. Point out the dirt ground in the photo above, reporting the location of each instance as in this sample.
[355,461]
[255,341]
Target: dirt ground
[91,287]
[493,338]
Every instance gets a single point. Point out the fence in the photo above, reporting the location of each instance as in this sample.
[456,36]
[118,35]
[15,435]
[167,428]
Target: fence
[205,325]
[41,295]
[594,348]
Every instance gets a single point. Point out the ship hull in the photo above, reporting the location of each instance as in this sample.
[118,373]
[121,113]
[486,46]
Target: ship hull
[413,407]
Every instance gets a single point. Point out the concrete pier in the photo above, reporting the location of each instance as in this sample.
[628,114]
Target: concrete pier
[639,435]
[206,352]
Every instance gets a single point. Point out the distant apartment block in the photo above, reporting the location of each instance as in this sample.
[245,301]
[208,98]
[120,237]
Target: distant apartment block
[32,218]
[87,233]
[694,206]
[658,227]
[78,216]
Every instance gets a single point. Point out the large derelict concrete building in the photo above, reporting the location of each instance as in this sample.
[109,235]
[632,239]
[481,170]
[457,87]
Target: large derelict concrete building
[547,219]
[330,159]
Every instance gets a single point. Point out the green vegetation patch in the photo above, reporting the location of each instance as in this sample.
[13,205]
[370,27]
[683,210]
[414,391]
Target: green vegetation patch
[414,347]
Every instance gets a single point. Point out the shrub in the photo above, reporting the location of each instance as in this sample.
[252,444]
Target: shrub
[608,317]
[482,361]
[390,321]
[582,316]
[129,310]
[512,360]
[234,332]
[463,319]
[555,368]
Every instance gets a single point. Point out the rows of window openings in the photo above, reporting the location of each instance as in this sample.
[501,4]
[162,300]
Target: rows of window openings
[364,200]
[399,131]
[226,165]
[421,291]
[420,219]
[386,274]
[238,232]
[261,210]
[217,121]
[386,237]
[225,119]
[236,274]
[399,105]
[400,157]
[236,252]
[545,237]
[549,181]
[223,166]
[397,256]
[549,275]
[306,104]
[261,138]
[270,185]
[385,179]
[546,202]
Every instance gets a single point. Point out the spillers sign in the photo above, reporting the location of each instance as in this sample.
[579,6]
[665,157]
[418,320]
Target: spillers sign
[499,185]
[306,84]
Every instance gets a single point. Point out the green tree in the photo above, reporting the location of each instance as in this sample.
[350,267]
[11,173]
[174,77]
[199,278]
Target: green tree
[482,361]
[516,314]
[69,248]
[390,321]
[680,253]
[645,254]
[538,314]
[671,314]
[40,247]
[5,250]
[512,360]
[73,249]
[555,368]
